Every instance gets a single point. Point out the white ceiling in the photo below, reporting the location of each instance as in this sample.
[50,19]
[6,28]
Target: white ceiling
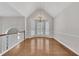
[7,10]
[53,8]
[27,8]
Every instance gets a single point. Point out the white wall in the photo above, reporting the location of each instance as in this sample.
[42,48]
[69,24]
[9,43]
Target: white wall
[29,22]
[0,33]
[9,18]
[9,22]
[13,22]
[67,27]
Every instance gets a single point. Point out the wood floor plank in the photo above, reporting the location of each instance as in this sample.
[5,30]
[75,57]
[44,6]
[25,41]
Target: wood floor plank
[40,46]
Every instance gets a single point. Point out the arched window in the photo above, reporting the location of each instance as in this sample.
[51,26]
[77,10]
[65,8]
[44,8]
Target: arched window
[39,23]
[12,30]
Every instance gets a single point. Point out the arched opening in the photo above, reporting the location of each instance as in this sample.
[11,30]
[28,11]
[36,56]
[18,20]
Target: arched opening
[40,23]
[39,27]
[12,30]
[12,37]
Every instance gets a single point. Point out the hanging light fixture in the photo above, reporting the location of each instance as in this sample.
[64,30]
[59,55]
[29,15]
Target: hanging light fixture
[40,19]
[40,16]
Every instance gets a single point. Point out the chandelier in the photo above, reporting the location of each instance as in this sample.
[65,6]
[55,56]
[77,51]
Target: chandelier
[40,18]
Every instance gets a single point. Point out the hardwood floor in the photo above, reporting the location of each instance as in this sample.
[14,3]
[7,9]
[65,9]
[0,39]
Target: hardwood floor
[40,46]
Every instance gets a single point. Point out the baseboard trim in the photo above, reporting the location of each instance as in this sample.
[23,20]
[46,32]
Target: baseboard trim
[11,47]
[73,51]
[66,46]
[42,36]
[69,35]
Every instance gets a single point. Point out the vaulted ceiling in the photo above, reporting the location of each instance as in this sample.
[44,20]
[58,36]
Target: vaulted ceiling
[7,10]
[27,8]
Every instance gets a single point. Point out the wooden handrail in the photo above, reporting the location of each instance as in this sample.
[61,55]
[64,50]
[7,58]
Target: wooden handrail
[12,33]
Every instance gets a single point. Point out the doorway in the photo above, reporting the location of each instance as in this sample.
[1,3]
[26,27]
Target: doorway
[39,27]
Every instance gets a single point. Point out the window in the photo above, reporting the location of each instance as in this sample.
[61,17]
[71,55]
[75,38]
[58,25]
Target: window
[39,27]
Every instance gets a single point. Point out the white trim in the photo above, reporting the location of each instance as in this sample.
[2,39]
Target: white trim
[22,41]
[56,40]
[40,36]
[71,35]
[11,47]
[66,45]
